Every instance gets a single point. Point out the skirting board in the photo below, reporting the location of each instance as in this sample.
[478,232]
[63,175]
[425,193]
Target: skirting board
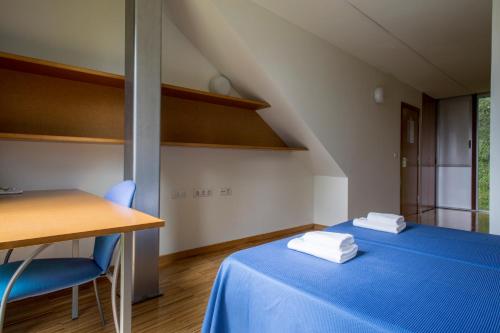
[320,227]
[170,258]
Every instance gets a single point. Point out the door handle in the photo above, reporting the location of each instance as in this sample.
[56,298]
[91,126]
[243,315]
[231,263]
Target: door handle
[403,162]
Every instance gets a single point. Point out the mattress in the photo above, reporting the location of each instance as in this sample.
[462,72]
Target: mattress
[386,288]
[473,248]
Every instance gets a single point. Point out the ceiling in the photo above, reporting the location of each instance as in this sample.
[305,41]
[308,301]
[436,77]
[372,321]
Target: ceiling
[440,47]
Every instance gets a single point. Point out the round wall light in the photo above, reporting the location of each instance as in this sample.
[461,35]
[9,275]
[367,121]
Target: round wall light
[378,95]
[220,85]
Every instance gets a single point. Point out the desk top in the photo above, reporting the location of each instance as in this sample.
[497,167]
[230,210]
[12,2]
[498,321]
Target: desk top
[39,217]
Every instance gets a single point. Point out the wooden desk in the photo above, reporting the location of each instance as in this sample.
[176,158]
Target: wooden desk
[41,217]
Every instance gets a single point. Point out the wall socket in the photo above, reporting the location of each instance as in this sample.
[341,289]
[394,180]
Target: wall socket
[178,194]
[202,192]
[225,191]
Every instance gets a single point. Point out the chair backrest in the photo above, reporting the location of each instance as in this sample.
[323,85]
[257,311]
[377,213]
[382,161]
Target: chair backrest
[104,246]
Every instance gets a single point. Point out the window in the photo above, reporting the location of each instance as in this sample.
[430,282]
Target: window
[483,161]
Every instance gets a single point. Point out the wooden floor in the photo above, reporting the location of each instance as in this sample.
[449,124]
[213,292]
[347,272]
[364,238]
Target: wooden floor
[185,284]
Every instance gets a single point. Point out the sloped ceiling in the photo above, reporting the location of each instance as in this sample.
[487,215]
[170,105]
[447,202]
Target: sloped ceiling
[202,23]
[440,47]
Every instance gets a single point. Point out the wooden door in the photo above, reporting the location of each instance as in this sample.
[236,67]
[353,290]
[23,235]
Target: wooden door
[410,120]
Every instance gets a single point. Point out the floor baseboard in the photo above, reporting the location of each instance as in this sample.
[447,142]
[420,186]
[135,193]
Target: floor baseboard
[172,257]
[319,227]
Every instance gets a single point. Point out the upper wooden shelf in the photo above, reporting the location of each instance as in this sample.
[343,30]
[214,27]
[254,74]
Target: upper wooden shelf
[203,96]
[49,68]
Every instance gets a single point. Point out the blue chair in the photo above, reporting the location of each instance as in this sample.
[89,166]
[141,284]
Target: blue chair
[43,276]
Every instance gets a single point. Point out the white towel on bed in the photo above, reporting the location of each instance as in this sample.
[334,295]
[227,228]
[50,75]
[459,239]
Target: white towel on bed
[333,240]
[384,218]
[323,252]
[379,226]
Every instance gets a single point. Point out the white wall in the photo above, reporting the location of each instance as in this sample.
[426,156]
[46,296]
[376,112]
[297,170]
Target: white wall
[330,201]
[90,34]
[81,33]
[271,191]
[337,104]
[329,89]
[495,124]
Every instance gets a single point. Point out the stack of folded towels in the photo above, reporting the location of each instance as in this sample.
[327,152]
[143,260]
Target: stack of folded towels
[331,246]
[381,222]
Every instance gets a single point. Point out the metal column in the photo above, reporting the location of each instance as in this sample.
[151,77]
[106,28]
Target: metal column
[142,132]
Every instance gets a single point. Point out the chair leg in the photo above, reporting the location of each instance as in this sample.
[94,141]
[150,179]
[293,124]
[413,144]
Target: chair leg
[10,284]
[99,305]
[74,291]
[7,256]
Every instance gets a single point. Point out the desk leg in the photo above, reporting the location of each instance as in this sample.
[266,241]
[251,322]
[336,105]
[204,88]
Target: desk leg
[74,299]
[126,283]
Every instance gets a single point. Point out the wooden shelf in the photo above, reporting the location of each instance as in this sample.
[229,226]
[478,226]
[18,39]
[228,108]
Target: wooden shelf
[74,139]
[78,105]
[220,146]
[57,138]
[203,96]
[49,68]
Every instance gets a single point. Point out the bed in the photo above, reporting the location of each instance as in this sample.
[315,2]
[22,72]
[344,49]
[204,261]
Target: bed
[474,248]
[395,284]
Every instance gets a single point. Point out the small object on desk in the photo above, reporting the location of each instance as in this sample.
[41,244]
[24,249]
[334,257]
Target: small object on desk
[10,190]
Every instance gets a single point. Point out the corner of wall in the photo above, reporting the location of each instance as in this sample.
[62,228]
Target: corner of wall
[330,200]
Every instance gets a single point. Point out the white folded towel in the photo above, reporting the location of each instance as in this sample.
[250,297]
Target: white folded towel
[384,218]
[333,240]
[323,252]
[379,226]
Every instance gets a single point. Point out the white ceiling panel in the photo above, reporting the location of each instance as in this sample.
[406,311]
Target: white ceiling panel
[441,47]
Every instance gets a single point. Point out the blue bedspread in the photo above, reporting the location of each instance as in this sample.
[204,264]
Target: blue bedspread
[270,288]
[474,248]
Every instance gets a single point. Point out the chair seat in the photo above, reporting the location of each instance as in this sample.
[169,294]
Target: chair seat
[43,276]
